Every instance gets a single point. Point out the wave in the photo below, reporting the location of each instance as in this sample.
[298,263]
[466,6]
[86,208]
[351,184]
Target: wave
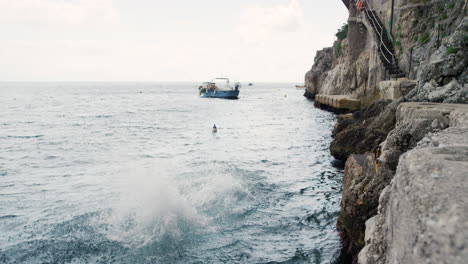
[3,217]
[155,204]
[26,137]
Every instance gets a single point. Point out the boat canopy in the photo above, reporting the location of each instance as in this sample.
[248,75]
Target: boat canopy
[222,83]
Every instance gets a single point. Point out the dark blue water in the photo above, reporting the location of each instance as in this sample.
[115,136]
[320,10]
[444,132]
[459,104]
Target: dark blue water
[131,173]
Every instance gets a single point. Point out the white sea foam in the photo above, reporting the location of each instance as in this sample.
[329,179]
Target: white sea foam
[156,203]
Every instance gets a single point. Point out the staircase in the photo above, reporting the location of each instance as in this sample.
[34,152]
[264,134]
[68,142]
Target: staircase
[386,49]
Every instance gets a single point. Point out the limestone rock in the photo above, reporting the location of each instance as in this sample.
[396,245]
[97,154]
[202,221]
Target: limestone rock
[422,212]
[413,124]
[364,179]
[368,129]
[425,211]
[444,78]
[314,78]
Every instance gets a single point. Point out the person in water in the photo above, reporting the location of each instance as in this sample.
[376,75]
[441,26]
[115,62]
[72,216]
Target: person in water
[215,129]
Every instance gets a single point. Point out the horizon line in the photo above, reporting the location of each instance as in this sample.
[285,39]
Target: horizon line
[139,81]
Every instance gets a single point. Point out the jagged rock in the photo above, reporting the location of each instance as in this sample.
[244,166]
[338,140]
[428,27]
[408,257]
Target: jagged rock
[443,64]
[314,78]
[368,129]
[444,79]
[423,210]
[356,69]
[417,24]
[453,92]
[414,122]
[363,181]
[421,132]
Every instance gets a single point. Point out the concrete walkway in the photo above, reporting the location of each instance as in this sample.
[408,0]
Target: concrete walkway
[340,102]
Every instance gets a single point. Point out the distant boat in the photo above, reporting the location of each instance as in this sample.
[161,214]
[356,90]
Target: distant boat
[250,84]
[300,86]
[219,88]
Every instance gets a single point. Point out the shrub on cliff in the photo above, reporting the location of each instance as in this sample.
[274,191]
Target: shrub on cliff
[452,50]
[342,32]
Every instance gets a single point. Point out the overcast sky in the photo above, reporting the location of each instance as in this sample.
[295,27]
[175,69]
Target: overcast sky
[164,40]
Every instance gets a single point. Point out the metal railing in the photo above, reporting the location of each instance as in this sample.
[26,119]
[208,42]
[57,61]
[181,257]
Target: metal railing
[380,32]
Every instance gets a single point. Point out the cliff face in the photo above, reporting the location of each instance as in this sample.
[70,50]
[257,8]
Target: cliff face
[429,40]
[391,147]
[351,66]
[319,72]
[421,28]
[423,211]
[444,78]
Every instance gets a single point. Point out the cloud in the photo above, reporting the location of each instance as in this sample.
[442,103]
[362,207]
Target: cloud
[259,24]
[58,11]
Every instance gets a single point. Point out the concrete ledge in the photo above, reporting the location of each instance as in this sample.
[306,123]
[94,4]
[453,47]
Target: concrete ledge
[393,90]
[456,114]
[341,102]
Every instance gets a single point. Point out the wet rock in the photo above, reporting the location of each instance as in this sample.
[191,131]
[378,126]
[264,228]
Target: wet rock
[368,128]
[365,177]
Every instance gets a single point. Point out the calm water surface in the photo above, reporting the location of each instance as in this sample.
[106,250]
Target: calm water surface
[131,173]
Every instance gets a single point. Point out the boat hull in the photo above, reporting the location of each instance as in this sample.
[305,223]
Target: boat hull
[234,94]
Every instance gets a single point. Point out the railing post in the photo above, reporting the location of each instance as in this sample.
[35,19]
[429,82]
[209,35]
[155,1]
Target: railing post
[410,62]
[438,36]
[391,18]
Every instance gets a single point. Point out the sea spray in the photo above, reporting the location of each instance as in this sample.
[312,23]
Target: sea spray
[149,207]
[157,202]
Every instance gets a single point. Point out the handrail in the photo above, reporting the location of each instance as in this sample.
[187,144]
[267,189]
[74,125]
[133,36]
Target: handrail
[374,20]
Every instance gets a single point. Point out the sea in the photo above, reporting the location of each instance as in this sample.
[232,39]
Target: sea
[132,173]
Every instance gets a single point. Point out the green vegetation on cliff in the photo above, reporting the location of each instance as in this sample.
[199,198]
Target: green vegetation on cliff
[342,32]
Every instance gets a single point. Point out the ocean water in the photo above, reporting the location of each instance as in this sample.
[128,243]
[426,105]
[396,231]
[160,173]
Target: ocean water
[132,173]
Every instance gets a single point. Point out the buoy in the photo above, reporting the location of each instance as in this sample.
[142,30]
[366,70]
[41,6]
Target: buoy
[215,129]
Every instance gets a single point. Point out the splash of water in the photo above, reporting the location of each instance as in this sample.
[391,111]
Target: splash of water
[154,204]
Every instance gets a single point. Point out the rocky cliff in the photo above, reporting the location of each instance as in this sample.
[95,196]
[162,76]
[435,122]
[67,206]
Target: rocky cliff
[424,211]
[429,39]
[405,140]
